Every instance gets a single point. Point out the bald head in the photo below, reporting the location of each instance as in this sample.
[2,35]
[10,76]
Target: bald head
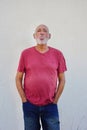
[40,26]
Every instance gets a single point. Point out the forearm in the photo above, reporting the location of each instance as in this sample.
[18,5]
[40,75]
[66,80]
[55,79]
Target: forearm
[20,90]
[59,90]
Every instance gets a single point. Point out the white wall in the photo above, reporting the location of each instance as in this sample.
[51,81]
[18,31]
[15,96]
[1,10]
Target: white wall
[67,21]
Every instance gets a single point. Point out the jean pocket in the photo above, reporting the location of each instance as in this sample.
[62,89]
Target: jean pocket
[25,105]
[53,104]
[24,102]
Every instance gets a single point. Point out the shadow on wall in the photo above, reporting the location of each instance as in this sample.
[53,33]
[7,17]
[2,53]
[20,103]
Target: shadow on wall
[80,123]
[10,118]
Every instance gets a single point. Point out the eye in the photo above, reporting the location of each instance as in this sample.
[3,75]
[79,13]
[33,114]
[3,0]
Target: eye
[44,30]
[39,30]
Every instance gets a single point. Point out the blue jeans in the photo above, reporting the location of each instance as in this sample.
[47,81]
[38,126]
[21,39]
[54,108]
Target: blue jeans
[48,115]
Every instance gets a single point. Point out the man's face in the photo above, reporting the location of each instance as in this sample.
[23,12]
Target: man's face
[42,34]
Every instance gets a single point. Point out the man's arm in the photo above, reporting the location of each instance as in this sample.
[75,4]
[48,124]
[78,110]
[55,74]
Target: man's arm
[19,78]
[60,88]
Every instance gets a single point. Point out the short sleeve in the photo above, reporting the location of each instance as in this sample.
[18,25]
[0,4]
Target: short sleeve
[61,64]
[21,66]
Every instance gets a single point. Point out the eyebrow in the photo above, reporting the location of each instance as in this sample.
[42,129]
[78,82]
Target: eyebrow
[42,28]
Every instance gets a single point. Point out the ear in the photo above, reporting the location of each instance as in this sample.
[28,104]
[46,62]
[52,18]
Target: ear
[49,35]
[34,35]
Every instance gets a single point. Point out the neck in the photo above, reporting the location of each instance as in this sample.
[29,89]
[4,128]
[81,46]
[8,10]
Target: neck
[42,47]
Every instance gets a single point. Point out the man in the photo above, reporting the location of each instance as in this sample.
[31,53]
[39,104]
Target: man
[43,70]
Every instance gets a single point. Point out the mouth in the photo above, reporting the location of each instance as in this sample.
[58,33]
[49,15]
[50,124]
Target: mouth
[41,38]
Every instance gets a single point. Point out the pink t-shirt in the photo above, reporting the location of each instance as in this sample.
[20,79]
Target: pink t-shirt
[41,74]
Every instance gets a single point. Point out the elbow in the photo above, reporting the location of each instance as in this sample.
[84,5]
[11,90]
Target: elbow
[62,81]
[16,80]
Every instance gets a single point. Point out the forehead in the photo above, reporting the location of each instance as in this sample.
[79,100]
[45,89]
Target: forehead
[42,27]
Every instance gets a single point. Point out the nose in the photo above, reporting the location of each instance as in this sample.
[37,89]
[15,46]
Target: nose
[42,32]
